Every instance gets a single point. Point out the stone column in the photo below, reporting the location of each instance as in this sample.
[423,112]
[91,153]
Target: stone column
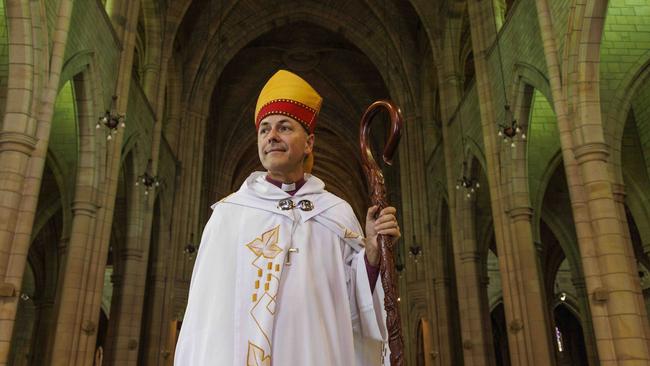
[123,339]
[529,335]
[155,335]
[478,348]
[441,350]
[68,319]
[186,205]
[80,303]
[620,322]
[465,260]
[23,147]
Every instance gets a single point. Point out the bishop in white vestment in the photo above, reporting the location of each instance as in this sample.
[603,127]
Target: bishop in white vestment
[281,276]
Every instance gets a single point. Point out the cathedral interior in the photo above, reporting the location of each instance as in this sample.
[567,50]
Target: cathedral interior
[519,179]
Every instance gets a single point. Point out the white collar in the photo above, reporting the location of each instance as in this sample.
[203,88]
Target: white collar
[257,183]
[288,187]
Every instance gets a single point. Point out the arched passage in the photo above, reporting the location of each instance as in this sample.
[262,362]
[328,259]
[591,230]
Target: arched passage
[320,56]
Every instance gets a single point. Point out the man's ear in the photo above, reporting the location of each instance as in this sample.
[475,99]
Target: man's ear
[309,144]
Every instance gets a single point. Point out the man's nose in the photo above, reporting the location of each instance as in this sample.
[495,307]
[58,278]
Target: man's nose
[272,136]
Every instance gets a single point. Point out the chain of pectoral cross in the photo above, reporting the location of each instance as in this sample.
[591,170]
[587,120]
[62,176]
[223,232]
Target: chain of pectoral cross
[287,204]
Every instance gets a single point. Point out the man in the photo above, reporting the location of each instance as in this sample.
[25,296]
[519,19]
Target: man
[284,276]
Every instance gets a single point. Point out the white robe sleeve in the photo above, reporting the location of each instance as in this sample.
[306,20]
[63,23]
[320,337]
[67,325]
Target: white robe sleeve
[366,306]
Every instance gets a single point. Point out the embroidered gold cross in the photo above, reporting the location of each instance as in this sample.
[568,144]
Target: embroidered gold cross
[288,260]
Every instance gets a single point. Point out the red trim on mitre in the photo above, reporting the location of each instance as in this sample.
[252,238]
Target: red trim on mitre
[296,110]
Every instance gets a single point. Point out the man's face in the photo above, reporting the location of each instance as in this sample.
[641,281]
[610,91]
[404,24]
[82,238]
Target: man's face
[282,144]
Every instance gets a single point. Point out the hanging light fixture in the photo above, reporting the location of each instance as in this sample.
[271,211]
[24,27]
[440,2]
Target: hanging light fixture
[509,130]
[415,250]
[149,181]
[470,185]
[111,120]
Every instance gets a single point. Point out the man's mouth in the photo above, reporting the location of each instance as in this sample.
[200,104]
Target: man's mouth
[275,150]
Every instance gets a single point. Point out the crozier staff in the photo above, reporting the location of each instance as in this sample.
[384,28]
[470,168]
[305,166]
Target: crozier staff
[284,274]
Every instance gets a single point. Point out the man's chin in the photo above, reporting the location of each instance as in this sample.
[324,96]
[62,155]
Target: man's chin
[282,168]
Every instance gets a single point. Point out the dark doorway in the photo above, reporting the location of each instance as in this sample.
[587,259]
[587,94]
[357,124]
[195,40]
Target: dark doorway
[500,335]
[569,339]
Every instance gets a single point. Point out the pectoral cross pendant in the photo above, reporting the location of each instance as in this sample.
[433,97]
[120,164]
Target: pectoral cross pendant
[287,262]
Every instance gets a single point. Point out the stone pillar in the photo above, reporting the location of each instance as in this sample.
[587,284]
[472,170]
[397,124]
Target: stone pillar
[529,337]
[23,146]
[186,205]
[68,321]
[620,322]
[156,351]
[122,341]
[442,351]
[472,292]
[81,294]
[472,333]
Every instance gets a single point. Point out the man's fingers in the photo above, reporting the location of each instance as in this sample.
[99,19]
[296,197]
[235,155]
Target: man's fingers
[386,218]
[385,225]
[371,212]
[388,210]
[390,232]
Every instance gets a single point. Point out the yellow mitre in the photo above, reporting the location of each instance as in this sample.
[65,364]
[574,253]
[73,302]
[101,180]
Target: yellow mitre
[288,94]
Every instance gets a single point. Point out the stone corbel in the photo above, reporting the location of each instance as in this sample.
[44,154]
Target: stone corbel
[601,295]
[88,327]
[7,290]
[516,325]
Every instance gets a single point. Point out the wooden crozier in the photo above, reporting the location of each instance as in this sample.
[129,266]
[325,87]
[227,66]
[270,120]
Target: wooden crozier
[378,197]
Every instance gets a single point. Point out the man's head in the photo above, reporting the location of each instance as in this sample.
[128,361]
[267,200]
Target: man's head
[285,118]
[283,144]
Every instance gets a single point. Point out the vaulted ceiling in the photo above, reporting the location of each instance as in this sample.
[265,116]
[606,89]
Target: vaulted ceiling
[352,52]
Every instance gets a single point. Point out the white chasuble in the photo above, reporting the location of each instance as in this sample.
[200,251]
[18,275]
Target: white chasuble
[279,281]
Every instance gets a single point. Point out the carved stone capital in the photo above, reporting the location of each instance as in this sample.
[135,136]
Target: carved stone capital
[619,192]
[84,208]
[131,253]
[521,213]
[451,78]
[469,256]
[17,141]
[590,152]
[441,281]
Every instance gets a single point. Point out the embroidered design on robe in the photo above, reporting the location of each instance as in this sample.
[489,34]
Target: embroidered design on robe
[349,234]
[266,249]
[256,357]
